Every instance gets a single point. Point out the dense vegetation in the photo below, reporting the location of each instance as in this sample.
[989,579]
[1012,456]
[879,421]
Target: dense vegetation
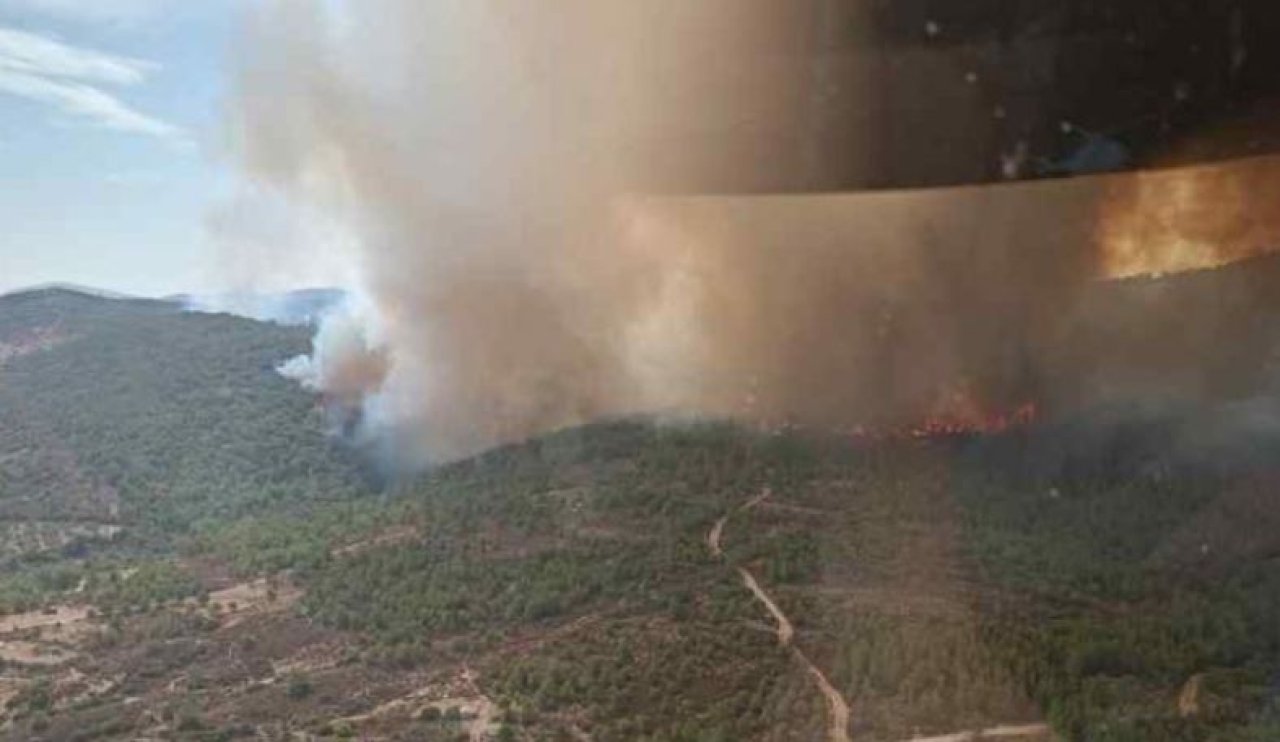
[576,569]
[165,417]
[1143,588]
[126,426]
[1107,576]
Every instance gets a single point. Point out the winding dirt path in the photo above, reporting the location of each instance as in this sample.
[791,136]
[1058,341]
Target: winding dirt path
[786,632]
[1009,731]
[838,719]
[717,531]
[713,536]
[838,709]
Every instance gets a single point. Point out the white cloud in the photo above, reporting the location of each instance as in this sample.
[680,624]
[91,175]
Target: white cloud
[85,101]
[21,51]
[70,79]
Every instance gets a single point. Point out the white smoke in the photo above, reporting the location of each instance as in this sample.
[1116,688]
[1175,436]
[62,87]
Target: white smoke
[348,360]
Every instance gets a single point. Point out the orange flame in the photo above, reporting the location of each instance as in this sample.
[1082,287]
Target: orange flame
[959,414]
[1170,221]
[996,422]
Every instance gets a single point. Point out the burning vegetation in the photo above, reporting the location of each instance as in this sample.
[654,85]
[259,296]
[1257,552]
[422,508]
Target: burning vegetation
[976,422]
[959,416]
[1191,218]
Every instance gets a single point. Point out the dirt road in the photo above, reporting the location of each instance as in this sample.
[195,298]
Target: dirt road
[713,537]
[837,708]
[786,632]
[1038,731]
[717,530]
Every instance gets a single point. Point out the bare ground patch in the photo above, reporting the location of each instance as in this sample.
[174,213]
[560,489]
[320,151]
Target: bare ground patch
[33,653]
[461,694]
[236,603]
[66,617]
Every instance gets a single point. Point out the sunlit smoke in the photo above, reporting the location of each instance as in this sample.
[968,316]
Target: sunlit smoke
[506,169]
[493,159]
[478,149]
[1192,218]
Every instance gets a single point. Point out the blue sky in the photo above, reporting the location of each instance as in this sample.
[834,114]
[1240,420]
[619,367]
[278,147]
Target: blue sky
[111,118]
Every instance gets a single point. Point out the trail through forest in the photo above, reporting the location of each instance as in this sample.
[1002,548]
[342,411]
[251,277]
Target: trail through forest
[838,709]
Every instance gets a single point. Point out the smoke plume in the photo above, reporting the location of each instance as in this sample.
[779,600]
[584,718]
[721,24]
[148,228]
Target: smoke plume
[478,150]
[509,170]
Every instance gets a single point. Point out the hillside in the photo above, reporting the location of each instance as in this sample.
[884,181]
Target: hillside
[129,423]
[203,563]
[569,587]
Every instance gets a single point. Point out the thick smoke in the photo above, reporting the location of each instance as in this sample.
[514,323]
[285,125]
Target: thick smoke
[348,360]
[478,148]
[498,161]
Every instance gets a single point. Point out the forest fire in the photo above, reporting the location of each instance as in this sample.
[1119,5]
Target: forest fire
[961,415]
[995,422]
[962,412]
[1193,218]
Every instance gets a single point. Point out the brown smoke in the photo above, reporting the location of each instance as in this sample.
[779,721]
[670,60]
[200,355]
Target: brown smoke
[477,147]
[493,156]
[1169,221]
[873,308]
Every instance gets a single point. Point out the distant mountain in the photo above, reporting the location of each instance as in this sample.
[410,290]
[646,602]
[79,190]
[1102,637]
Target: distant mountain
[301,307]
[74,288]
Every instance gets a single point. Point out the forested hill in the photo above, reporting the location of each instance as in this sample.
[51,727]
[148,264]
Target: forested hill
[185,554]
[134,413]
